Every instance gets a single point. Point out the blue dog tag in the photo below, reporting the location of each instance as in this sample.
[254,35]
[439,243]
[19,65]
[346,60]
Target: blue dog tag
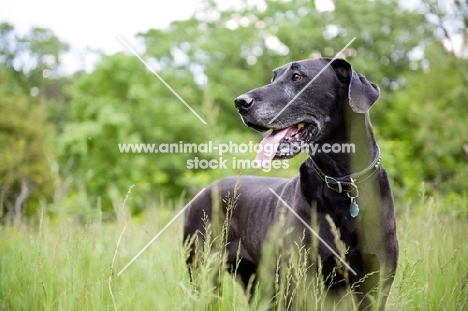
[353,208]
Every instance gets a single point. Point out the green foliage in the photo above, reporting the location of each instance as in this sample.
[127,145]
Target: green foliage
[24,152]
[428,128]
[121,103]
[32,59]
[28,77]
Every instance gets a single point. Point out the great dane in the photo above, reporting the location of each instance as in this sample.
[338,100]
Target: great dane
[319,103]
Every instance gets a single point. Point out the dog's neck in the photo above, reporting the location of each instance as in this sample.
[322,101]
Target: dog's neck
[358,148]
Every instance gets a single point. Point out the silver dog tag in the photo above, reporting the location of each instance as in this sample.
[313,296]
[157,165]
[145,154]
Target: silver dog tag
[353,208]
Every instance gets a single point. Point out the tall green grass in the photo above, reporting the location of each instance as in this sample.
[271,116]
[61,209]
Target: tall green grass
[433,267]
[68,265]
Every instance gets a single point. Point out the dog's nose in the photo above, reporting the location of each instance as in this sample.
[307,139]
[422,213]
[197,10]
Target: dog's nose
[243,102]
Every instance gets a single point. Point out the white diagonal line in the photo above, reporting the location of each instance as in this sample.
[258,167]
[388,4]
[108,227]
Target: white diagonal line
[315,233]
[310,82]
[159,233]
[161,79]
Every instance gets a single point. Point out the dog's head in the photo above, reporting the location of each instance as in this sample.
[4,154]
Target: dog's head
[301,102]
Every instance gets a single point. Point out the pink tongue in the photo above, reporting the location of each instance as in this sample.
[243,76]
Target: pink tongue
[268,147]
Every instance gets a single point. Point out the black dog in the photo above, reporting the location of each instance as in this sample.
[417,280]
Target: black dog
[351,187]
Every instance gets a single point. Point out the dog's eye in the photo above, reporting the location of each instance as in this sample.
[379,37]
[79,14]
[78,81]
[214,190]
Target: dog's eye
[296,77]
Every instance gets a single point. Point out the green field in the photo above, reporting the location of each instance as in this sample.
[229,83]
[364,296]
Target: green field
[62,264]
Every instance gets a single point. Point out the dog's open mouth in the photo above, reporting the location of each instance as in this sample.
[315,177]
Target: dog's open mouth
[285,143]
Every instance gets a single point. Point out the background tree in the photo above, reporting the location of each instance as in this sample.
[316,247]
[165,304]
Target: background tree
[26,132]
[24,169]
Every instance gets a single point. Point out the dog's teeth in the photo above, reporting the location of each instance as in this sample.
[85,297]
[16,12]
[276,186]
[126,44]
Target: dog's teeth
[300,125]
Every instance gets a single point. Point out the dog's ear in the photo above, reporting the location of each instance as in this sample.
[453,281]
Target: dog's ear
[362,94]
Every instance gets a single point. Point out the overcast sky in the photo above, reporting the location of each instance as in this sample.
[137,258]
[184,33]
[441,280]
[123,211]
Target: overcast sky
[96,24]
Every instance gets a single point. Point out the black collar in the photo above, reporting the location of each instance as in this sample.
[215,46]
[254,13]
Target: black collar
[348,183]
